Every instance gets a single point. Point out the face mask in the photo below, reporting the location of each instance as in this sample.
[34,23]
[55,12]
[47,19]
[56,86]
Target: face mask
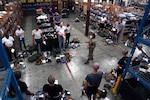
[90,36]
[7,36]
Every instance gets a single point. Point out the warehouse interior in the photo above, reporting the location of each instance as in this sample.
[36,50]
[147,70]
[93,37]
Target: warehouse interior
[68,67]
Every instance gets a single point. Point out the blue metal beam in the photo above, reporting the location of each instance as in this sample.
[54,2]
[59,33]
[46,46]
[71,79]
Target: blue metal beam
[143,41]
[138,39]
[139,79]
[8,77]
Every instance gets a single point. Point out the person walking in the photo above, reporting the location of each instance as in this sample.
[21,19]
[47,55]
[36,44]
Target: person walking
[38,38]
[8,42]
[20,35]
[92,81]
[91,47]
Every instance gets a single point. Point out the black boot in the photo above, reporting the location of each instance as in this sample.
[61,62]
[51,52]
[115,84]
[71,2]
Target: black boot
[87,62]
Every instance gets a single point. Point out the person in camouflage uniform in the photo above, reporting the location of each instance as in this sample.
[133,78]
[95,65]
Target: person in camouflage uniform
[91,46]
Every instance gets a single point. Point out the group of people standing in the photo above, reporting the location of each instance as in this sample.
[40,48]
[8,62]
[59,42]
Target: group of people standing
[8,42]
[63,35]
[113,28]
[62,31]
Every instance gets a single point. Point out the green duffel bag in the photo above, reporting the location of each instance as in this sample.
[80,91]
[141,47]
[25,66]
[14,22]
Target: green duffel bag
[34,57]
[31,48]
[102,34]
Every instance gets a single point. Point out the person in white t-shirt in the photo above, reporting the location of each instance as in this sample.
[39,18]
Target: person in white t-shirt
[8,42]
[68,29]
[20,34]
[102,22]
[61,32]
[38,38]
[138,55]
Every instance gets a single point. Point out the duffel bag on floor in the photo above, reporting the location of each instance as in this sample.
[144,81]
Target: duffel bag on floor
[34,57]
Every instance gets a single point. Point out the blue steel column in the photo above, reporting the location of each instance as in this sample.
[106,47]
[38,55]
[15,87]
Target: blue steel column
[5,61]
[139,33]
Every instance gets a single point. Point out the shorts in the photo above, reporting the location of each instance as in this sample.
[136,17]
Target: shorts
[91,91]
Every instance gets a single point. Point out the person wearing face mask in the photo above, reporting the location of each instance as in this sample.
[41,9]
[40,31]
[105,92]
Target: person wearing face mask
[8,42]
[20,34]
[38,38]
[91,46]
[61,32]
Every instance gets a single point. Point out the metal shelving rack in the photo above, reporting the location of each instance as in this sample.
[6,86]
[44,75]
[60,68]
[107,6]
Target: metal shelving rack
[143,78]
[35,4]
[7,77]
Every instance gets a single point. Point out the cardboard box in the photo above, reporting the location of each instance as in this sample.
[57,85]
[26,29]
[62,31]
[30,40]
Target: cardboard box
[9,7]
[39,0]
[48,0]
[23,1]
[30,0]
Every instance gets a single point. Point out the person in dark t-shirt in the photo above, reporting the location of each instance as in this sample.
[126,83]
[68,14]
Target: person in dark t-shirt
[92,81]
[122,63]
[54,90]
[22,85]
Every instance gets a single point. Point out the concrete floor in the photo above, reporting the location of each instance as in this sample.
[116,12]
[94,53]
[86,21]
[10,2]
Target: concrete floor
[36,75]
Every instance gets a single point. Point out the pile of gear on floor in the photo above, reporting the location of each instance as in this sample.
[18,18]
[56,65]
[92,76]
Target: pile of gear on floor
[63,58]
[44,57]
[19,63]
[110,78]
[74,43]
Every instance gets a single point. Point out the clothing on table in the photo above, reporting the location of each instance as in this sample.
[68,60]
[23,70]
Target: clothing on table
[94,80]
[20,34]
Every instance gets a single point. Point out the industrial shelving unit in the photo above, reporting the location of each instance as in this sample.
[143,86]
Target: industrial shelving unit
[35,4]
[7,78]
[141,77]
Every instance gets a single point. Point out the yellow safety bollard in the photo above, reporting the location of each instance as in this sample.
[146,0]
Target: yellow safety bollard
[116,85]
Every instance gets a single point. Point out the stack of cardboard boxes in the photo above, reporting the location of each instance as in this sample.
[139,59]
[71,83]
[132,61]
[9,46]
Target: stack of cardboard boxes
[11,16]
